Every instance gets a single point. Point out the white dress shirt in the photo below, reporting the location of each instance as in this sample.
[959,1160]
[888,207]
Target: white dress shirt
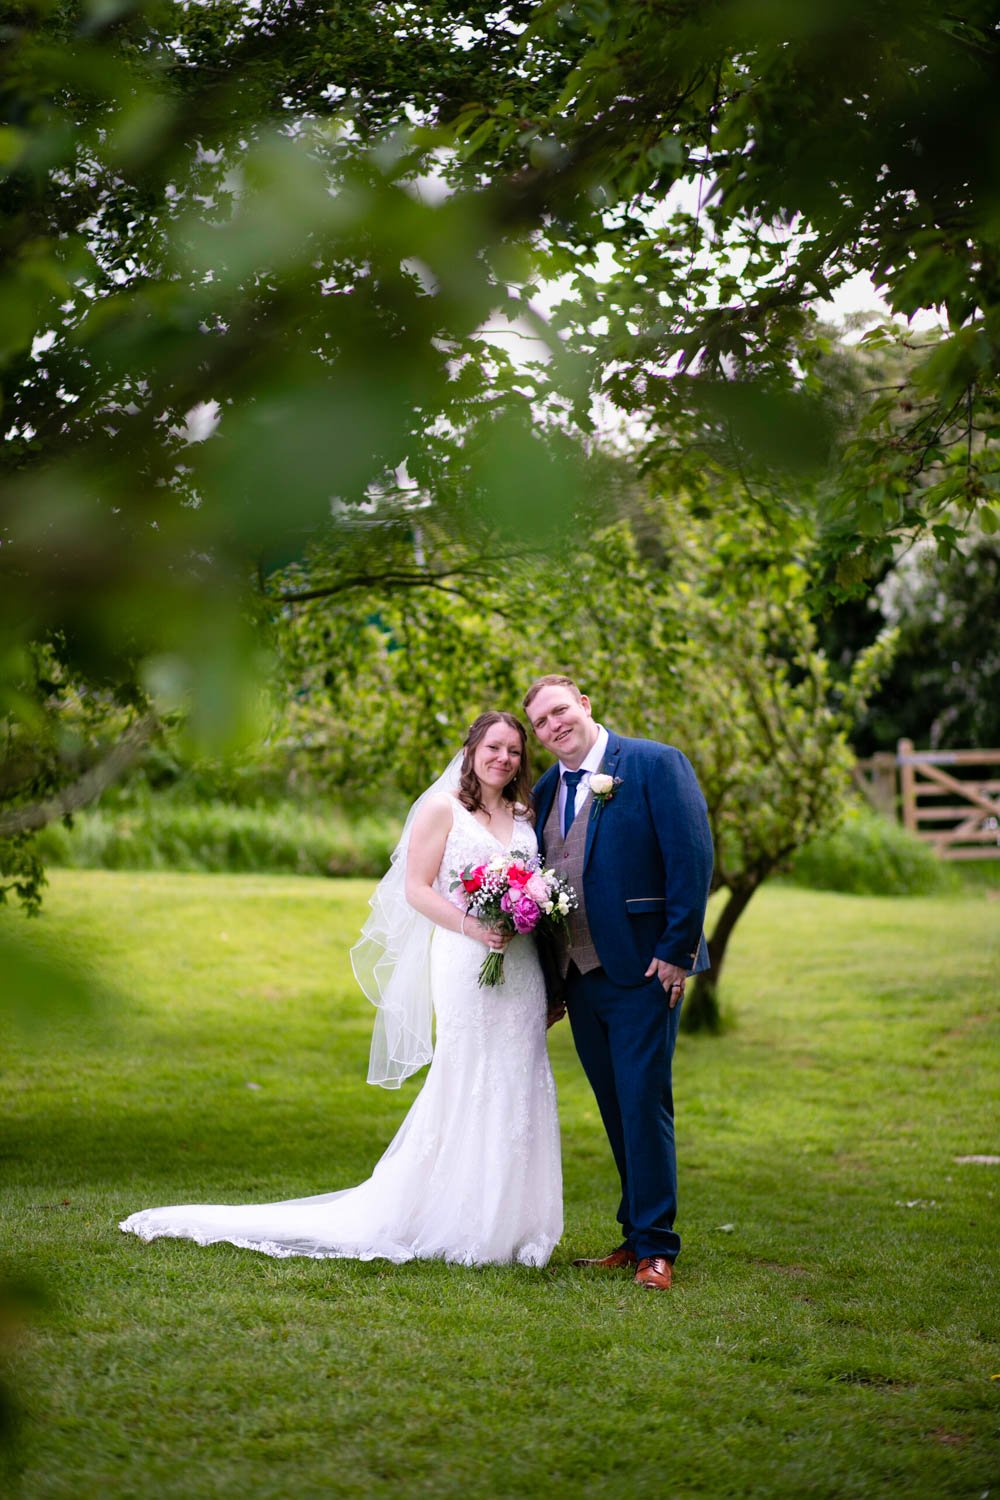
[591,764]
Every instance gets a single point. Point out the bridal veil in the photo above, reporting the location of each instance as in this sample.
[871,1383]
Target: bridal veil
[391,961]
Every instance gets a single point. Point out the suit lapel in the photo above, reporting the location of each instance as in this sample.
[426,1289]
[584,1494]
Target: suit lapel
[609,766]
[544,797]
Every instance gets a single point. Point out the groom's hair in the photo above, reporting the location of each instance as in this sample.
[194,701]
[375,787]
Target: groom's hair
[552,680]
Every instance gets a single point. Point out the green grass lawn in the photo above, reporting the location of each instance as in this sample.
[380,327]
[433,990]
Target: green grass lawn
[834,1329]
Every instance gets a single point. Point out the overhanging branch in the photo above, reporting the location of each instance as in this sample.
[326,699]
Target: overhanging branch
[394,579]
[79,793]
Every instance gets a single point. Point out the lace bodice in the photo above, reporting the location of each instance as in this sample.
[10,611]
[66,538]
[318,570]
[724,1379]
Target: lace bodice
[470,843]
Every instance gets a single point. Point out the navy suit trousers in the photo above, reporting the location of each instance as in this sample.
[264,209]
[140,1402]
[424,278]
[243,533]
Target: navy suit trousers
[625,1038]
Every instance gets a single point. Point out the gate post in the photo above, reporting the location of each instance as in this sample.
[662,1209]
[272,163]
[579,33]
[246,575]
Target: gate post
[883,784]
[907,784]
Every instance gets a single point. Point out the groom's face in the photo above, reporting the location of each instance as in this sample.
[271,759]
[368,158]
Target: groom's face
[563,723]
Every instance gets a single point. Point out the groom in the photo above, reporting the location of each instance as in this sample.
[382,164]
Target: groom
[625,822]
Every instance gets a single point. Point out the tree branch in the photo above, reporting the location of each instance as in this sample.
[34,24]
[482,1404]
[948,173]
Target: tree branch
[390,580]
[71,798]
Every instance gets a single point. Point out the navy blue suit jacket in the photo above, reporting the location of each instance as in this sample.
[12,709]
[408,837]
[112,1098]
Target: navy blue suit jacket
[648,860]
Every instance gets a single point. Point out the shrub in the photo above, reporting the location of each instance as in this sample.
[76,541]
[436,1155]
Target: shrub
[868,855]
[162,834]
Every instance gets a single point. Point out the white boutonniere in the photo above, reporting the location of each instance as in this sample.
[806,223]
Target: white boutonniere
[603,788]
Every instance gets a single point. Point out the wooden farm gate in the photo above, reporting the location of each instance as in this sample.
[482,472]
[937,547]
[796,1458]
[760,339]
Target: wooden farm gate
[940,797]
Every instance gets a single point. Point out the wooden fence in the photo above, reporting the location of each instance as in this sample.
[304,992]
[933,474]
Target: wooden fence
[957,810]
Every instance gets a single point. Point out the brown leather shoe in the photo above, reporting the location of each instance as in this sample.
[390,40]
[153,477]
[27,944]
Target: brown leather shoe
[656,1272]
[612,1262]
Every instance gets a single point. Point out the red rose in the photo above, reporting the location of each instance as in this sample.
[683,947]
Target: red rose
[518,877]
[474,881]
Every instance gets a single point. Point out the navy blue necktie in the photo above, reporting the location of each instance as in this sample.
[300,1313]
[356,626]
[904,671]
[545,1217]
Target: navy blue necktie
[572,781]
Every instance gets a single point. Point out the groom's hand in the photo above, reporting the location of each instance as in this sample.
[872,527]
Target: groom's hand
[555,1012]
[671,977]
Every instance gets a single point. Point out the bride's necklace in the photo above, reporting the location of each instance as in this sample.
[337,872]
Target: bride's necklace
[489,813]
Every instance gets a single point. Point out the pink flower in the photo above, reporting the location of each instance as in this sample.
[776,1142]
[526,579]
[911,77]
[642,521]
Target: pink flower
[537,889]
[526,914]
[518,877]
[506,904]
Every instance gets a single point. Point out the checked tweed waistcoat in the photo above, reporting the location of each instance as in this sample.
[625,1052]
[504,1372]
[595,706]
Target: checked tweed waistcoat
[565,856]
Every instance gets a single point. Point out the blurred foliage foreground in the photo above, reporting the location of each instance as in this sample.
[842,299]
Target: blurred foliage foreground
[247,257]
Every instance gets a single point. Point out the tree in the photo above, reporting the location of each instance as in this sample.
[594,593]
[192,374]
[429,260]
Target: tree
[222,205]
[135,135]
[769,739]
[183,231]
[738,163]
[942,689]
[59,752]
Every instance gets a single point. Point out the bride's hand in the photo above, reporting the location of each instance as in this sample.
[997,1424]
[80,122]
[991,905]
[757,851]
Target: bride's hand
[488,936]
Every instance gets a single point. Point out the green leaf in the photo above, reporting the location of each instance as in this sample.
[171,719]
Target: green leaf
[668,151]
[12,144]
[779,429]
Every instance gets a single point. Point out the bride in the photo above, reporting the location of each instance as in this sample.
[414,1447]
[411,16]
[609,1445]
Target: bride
[473,1174]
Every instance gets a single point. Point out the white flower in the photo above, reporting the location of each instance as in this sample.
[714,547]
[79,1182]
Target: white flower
[563,903]
[601,784]
[497,862]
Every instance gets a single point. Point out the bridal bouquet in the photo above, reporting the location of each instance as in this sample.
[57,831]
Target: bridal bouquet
[512,893]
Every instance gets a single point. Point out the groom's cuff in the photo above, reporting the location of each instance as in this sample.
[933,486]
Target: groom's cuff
[669,954]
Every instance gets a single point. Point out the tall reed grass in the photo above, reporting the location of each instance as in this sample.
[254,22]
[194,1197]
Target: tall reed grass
[161,833]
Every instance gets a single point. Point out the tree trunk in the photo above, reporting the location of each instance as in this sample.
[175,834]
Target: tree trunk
[701,1006]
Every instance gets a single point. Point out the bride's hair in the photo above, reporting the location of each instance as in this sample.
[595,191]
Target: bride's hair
[517,792]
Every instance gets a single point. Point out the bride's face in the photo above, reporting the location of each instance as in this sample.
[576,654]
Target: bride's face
[497,757]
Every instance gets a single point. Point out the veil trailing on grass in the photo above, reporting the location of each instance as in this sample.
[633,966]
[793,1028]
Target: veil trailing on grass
[391,961]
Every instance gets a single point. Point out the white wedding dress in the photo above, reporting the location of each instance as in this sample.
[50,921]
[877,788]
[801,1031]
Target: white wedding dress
[473,1175]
